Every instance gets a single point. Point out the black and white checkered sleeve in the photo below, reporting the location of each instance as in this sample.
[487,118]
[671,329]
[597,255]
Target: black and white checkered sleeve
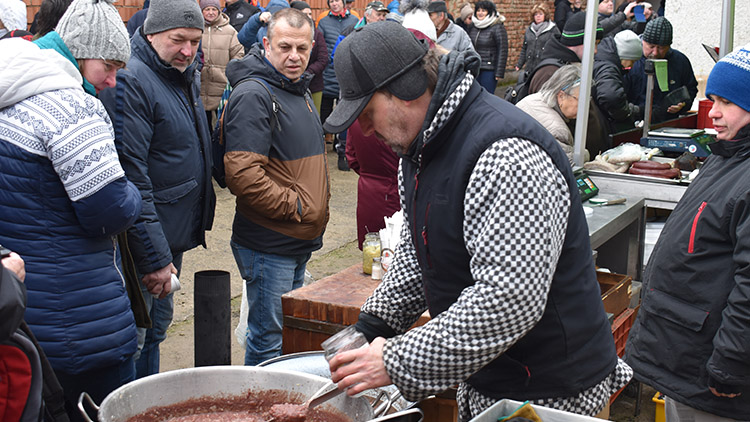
[515,217]
[399,299]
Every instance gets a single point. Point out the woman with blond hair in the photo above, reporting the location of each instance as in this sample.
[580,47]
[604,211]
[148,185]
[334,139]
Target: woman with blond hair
[220,45]
[537,34]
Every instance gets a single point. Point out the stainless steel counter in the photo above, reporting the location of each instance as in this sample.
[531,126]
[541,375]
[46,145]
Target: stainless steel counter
[616,232]
[658,193]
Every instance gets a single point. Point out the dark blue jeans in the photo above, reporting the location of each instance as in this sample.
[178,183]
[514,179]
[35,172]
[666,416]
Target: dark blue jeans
[160,311]
[267,277]
[97,383]
[486,78]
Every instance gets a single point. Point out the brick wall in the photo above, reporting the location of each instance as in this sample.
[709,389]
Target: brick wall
[516,14]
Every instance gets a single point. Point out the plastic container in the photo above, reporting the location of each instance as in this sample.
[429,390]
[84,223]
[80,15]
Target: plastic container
[659,412]
[704,106]
[621,329]
[377,268]
[505,407]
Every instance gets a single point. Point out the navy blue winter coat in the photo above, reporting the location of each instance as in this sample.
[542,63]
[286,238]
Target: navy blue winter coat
[163,140]
[331,26]
[63,198]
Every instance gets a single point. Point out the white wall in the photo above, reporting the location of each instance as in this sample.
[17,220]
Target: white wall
[697,22]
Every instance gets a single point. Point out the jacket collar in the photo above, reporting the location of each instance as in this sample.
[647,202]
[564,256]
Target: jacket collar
[144,51]
[739,146]
[339,15]
[557,50]
[53,41]
[456,73]
[255,65]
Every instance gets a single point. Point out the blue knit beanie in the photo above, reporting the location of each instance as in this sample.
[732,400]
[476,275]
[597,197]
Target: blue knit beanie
[730,78]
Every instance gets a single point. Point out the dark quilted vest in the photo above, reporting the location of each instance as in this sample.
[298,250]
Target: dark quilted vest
[571,347]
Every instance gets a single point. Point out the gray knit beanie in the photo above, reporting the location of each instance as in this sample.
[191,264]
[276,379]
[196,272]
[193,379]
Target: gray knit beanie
[164,15]
[628,45]
[92,29]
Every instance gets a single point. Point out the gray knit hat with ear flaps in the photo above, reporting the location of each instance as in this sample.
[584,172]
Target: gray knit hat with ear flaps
[92,29]
[164,15]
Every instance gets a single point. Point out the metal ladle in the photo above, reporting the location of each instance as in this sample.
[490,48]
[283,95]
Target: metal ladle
[325,393]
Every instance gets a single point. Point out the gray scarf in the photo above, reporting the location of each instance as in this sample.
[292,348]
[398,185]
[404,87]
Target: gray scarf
[538,28]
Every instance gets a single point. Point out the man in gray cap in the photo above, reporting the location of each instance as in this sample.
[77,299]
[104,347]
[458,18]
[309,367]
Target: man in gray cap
[163,140]
[657,44]
[449,34]
[491,207]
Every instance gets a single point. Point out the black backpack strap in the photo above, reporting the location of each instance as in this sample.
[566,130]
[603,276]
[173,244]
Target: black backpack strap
[52,391]
[275,105]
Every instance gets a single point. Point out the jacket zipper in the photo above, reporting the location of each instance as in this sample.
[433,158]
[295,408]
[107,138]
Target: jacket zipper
[114,260]
[691,243]
[424,236]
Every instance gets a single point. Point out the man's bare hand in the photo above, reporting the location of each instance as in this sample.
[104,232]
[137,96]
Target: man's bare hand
[675,108]
[14,263]
[363,367]
[159,282]
[265,17]
[629,10]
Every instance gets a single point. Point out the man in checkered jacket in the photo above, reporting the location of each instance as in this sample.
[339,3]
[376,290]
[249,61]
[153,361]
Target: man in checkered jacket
[495,243]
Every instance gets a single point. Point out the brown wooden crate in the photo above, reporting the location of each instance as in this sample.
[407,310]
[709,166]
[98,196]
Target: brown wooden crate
[615,291]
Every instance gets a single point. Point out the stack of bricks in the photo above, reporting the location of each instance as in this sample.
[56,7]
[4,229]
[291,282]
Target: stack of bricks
[516,12]
[127,8]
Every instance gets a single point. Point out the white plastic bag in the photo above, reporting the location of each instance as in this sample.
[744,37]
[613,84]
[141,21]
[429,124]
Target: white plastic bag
[241,331]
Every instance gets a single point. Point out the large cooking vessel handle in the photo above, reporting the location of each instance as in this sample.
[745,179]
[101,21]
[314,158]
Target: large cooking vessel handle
[408,415]
[386,401]
[81,408]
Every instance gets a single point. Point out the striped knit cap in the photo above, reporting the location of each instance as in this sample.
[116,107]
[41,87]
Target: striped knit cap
[93,29]
[730,78]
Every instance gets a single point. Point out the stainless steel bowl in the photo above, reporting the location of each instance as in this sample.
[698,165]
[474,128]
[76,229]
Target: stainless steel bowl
[178,386]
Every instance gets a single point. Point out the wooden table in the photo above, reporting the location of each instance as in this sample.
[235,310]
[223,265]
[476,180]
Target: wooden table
[317,311]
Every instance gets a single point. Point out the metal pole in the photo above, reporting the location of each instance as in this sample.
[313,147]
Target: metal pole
[584,97]
[650,75]
[213,325]
[726,43]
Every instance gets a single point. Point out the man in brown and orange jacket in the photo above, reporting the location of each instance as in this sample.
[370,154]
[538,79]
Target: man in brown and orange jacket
[275,164]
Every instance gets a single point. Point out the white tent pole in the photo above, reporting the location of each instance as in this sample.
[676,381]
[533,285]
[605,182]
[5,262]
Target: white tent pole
[584,97]
[726,43]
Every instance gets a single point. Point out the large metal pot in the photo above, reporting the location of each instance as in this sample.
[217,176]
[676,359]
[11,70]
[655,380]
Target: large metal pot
[177,386]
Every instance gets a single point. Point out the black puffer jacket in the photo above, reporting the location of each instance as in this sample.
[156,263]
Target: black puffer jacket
[533,45]
[563,12]
[692,330]
[492,45]
[610,94]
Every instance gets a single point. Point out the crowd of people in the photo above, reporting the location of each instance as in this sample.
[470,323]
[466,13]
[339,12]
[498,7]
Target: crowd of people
[109,138]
